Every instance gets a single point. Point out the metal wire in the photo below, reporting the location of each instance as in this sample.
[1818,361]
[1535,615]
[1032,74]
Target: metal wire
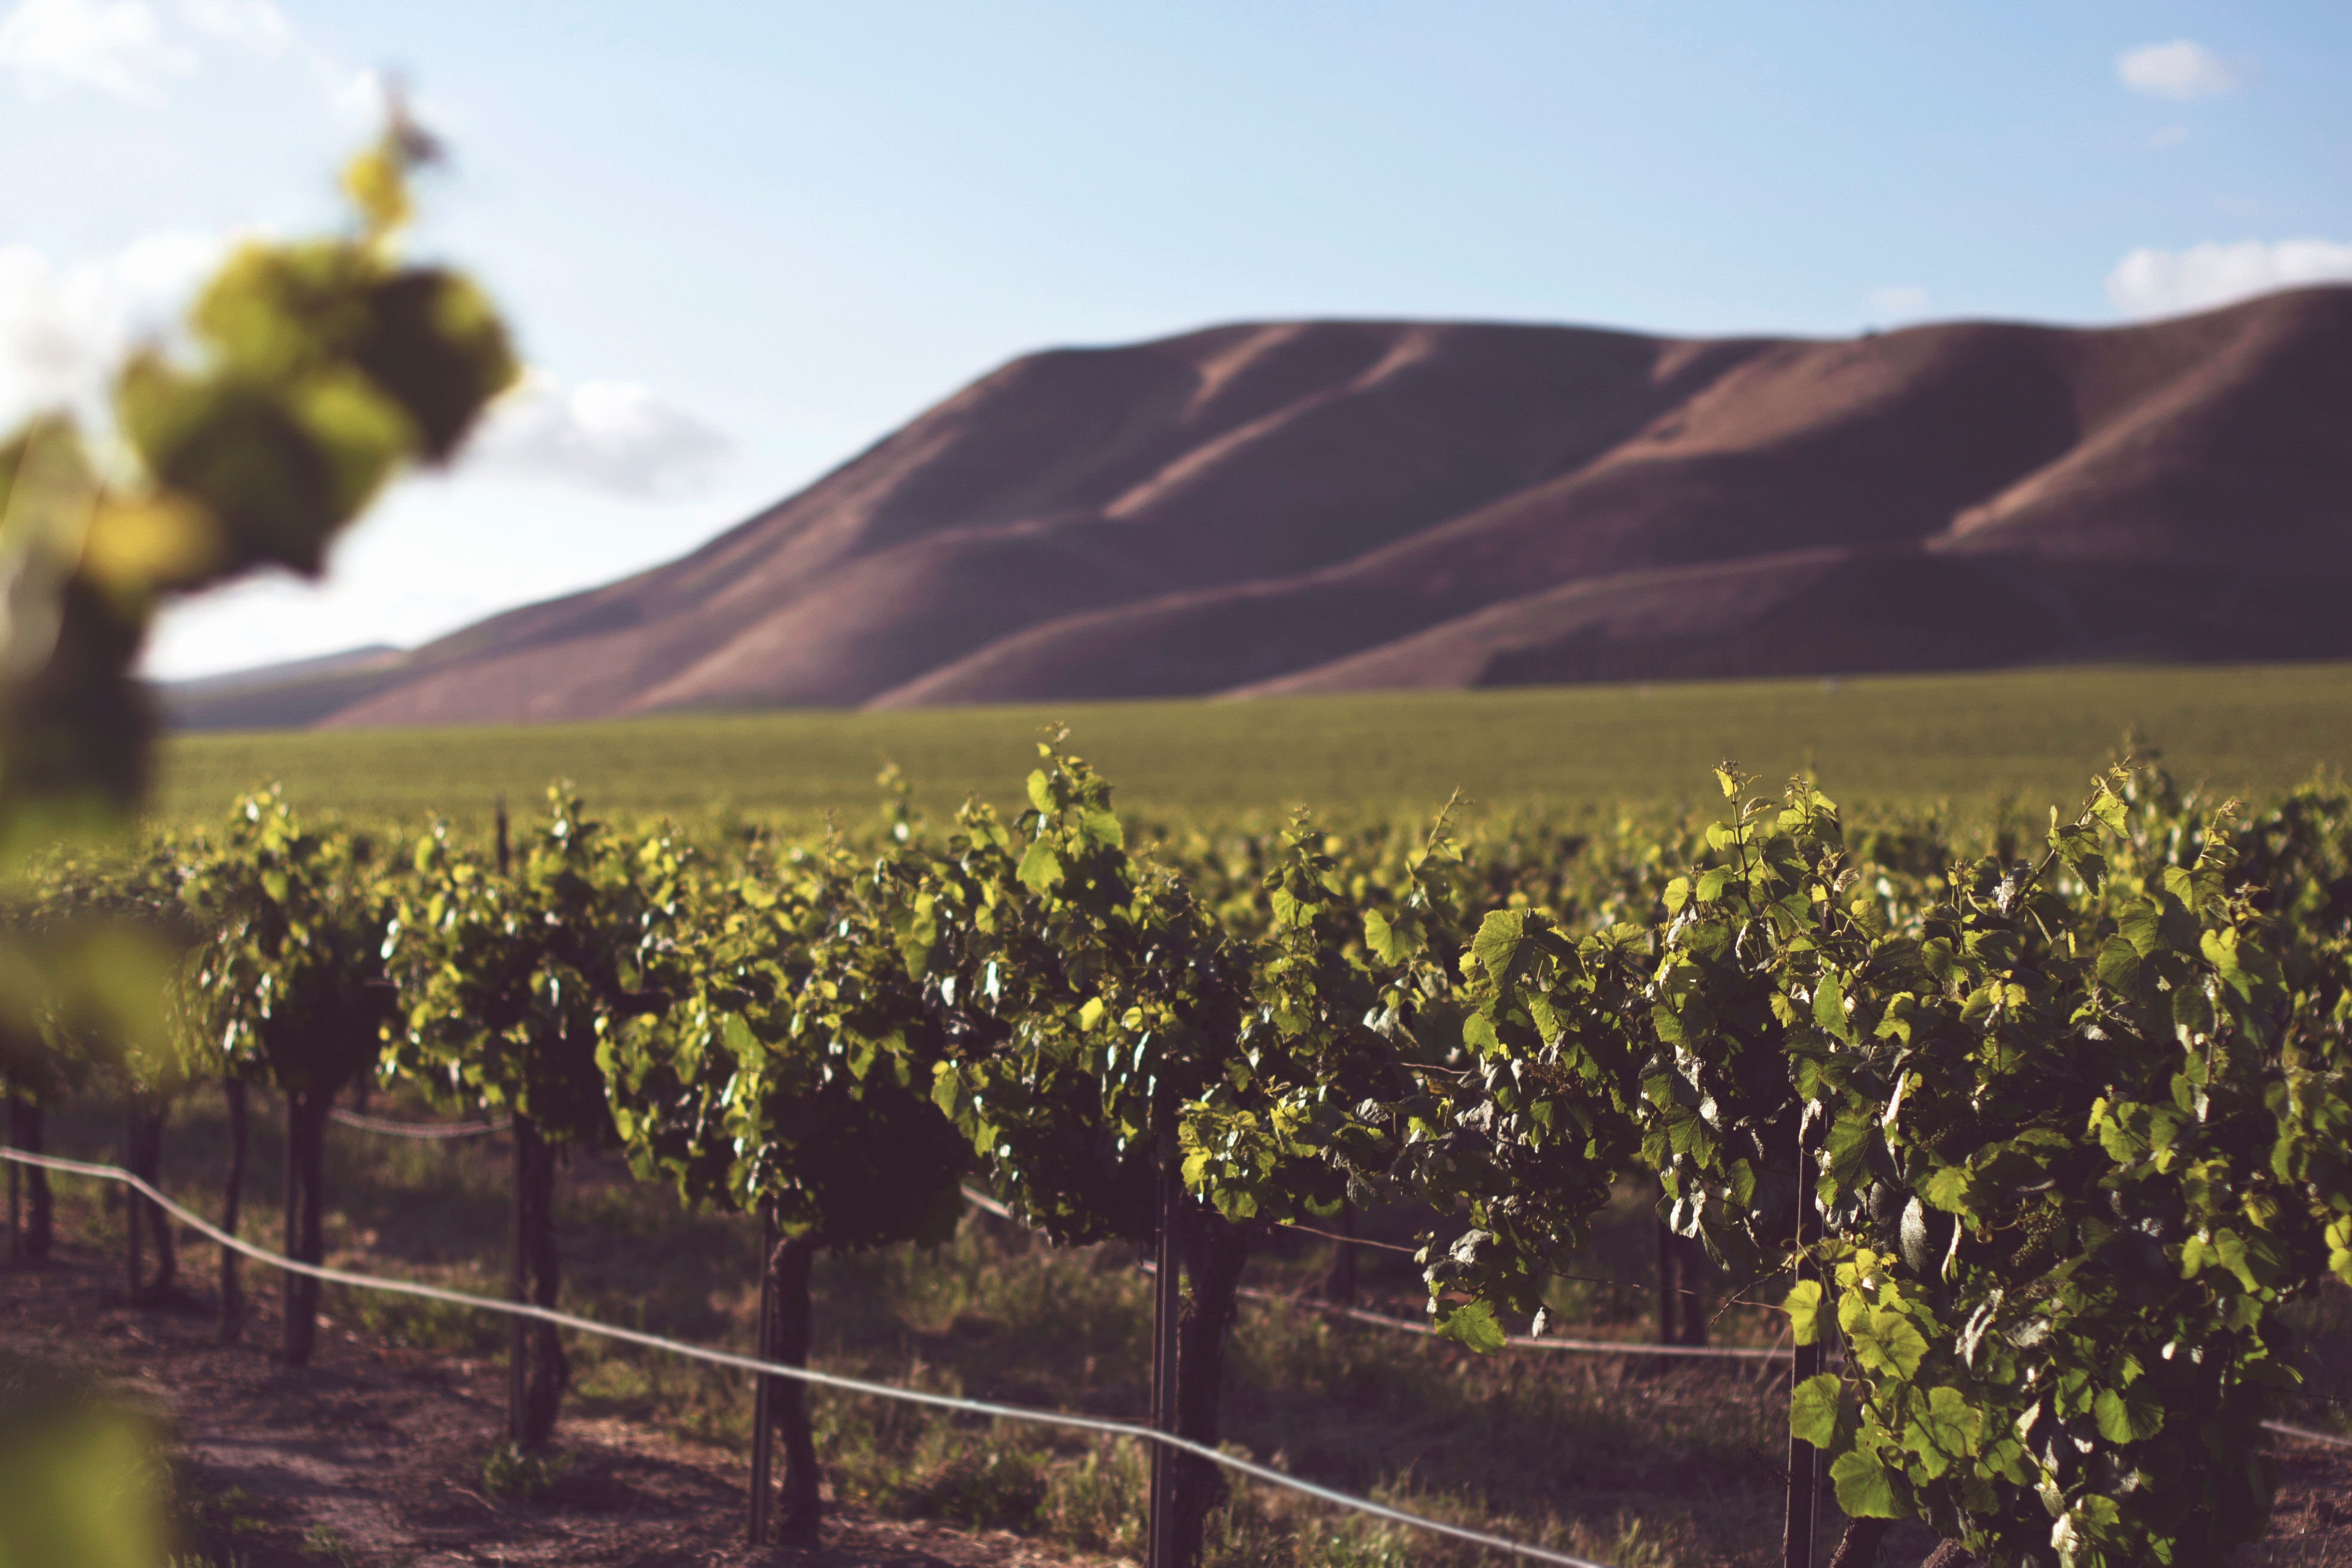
[821,1379]
[2307,1435]
[416,1129]
[1523,1341]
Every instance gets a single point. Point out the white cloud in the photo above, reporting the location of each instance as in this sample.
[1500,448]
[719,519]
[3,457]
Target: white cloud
[612,436]
[2182,69]
[2151,282]
[63,327]
[115,46]
[255,25]
[1898,302]
[128,47]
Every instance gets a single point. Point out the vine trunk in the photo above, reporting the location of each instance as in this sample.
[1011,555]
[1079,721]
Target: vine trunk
[540,1371]
[306,1180]
[144,1155]
[232,1277]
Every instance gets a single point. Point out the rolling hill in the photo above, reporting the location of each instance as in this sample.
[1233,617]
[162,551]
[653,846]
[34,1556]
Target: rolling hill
[1330,506]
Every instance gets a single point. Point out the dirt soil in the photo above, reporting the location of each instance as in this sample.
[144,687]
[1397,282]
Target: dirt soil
[374,1455]
[371,1455]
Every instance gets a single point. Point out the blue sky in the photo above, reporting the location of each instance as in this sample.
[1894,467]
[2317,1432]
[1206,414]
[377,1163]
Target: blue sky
[739,242]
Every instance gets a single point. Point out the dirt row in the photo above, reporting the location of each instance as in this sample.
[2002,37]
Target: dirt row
[371,1455]
[374,1455]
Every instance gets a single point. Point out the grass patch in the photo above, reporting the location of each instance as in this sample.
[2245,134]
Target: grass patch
[507,1472]
[1891,740]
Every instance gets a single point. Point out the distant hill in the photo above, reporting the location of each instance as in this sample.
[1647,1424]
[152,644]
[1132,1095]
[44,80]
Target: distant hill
[1327,506]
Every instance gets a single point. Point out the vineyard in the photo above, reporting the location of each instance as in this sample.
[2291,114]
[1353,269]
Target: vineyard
[1042,1181]
[2022,1151]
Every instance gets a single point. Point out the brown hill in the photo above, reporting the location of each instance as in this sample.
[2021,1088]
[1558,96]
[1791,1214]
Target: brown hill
[1341,505]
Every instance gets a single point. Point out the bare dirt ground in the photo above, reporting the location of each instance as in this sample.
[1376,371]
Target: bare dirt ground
[370,1455]
[373,1454]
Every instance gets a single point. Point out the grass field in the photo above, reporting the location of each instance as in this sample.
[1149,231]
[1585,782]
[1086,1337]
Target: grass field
[2035,734]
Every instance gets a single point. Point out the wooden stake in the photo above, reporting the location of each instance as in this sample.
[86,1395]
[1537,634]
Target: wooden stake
[232,1282]
[519,1289]
[131,1201]
[1805,1460]
[1167,1307]
[517,1285]
[1669,1304]
[763,1387]
[15,1194]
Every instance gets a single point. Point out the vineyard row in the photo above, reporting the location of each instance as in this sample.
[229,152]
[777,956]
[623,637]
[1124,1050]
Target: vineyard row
[2046,1139]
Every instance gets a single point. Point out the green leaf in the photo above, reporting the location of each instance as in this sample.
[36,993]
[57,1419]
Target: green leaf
[1472,1324]
[2192,1014]
[1829,1008]
[1948,1190]
[1815,1409]
[1102,828]
[2119,965]
[1387,941]
[2109,809]
[1041,869]
[736,1035]
[1865,1488]
[1803,1305]
[1497,942]
[2127,1416]
[1885,1340]
[1946,1423]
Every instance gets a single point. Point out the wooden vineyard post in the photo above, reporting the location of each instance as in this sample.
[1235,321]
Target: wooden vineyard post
[232,1281]
[518,1238]
[131,1205]
[15,1192]
[1669,1309]
[1338,1284]
[519,1290]
[1166,1309]
[15,1189]
[763,1387]
[1805,1460]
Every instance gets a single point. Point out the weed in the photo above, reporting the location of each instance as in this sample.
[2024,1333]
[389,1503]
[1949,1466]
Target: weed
[999,1487]
[1096,1502]
[211,1518]
[323,1543]
[510,1472]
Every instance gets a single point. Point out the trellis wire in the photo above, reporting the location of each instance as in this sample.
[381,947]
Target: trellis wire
[1521,1342]
[821,1379]
[416,1129]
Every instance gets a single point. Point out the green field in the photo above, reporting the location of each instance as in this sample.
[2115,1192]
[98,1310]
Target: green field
[1971,738]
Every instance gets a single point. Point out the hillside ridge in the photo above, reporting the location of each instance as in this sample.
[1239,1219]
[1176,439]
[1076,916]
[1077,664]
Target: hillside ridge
[1348,505]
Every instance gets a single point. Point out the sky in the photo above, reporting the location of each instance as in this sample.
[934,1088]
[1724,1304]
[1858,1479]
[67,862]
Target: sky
[738,243]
